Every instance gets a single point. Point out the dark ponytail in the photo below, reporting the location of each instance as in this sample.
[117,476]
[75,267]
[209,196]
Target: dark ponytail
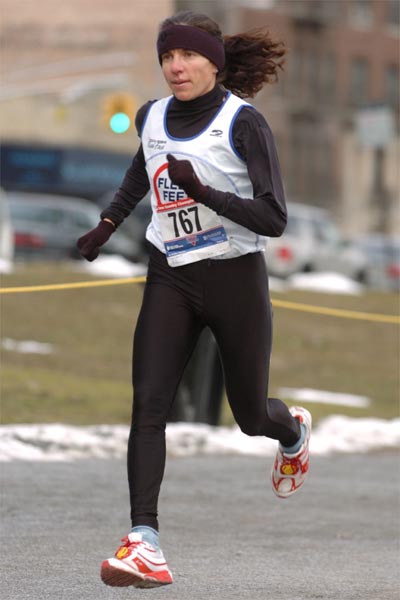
[252,59]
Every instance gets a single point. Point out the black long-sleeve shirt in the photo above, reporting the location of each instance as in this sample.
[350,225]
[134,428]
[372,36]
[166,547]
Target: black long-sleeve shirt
[264,214]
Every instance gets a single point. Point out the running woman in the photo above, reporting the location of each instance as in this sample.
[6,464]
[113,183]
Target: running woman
[210,161]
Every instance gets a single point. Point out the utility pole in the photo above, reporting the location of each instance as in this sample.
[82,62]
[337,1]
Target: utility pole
[375,130]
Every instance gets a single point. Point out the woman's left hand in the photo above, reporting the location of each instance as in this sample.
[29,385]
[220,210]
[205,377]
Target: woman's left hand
[183,175]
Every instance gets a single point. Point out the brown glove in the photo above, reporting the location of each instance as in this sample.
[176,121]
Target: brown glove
[89,244]
[183,175]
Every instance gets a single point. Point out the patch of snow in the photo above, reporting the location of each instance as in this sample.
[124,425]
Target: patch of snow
[277,285]
[324,397]
[333,283]
[113,265]
[58,442]
[6,266]
[26,346]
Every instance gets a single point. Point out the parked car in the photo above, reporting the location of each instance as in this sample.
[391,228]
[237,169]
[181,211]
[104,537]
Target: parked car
[313,242]
[47,227]
[135,225]
[6,232]
[383,260]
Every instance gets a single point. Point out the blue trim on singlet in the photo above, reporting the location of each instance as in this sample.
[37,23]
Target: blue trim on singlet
[145,118]
[231,130]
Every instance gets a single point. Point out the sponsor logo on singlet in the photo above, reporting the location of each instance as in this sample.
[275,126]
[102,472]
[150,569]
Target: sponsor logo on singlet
[167,193]
[156,144]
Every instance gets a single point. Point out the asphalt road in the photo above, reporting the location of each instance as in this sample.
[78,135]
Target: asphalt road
[224,533]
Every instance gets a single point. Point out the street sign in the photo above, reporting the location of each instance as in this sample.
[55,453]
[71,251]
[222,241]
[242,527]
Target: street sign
[375,126]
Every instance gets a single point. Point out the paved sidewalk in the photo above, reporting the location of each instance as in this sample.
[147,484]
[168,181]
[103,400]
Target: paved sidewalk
[224,533]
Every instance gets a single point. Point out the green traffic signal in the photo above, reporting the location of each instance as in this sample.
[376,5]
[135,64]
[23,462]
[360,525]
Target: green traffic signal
[118,111]
[119,122]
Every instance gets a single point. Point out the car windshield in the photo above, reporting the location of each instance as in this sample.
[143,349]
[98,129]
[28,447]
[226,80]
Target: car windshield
[320,229]
[382,248]
[35,214]
[326,230]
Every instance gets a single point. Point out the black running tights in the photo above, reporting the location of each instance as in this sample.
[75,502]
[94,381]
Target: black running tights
[232,298]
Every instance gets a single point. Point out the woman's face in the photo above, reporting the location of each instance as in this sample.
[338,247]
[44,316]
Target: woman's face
[188,74]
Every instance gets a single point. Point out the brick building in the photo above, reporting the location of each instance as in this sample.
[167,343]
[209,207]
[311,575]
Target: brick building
[59,66]
[343,56]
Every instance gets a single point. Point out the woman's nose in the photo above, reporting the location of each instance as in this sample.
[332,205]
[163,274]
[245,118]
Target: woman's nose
[176,64]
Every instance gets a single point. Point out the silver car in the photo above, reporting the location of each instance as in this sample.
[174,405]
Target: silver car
[313,242]
[6,231]
[48,227]
[383,255]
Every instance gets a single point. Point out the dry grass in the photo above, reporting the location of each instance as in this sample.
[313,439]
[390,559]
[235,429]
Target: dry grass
[87,377]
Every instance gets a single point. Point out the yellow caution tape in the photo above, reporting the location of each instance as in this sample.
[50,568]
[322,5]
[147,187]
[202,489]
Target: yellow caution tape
[333,312]
[71,286]
[337,312]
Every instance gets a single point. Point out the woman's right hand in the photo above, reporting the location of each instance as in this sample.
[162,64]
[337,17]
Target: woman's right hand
[89,244]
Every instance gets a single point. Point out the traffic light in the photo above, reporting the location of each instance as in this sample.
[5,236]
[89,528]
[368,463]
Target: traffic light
[118,111]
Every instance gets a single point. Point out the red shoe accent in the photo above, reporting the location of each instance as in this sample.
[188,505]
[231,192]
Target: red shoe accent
[136,563]
[290,470]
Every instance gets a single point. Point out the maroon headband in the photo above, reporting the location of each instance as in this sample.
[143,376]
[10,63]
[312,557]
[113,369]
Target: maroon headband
[191,38]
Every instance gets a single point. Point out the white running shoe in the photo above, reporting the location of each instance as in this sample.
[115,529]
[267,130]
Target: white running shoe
[136,563]
[290,470]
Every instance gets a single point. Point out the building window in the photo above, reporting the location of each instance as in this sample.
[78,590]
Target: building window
[310,176]
[393,14]
[312,77]
[328,78]
[323,11]
[359,82]
[263,4]
[297,152]
[392,86]
[360,13]
[295,72]
[331,11]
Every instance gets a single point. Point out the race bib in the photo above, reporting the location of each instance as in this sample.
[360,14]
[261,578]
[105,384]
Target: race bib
[190,231]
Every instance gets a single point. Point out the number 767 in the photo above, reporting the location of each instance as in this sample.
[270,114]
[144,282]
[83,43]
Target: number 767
[186,219]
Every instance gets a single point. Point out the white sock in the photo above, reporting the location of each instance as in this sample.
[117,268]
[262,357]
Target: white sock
[149,535]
